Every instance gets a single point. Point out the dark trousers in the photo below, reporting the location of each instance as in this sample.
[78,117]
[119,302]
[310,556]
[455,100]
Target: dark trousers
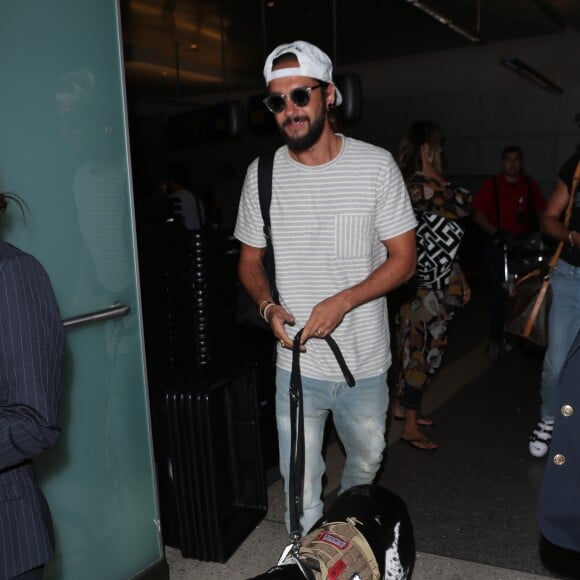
[493,260]
[35,574]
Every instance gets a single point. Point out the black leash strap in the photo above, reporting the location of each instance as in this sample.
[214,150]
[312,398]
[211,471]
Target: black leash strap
[297,446]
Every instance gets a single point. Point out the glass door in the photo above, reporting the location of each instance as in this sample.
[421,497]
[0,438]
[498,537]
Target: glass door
[63,149]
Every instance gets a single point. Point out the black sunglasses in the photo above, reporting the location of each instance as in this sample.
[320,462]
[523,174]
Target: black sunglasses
[300,96]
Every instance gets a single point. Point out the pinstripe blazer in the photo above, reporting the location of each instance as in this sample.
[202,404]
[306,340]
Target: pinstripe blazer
[31,348]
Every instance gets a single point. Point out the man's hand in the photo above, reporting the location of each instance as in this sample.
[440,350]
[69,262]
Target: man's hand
[325,317]
[398,268]
[278,319]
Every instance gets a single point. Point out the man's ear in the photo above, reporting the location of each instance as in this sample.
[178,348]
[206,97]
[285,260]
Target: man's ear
[330,97]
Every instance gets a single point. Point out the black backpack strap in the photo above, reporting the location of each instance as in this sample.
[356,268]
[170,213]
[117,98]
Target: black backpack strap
[297,445]
[265,172]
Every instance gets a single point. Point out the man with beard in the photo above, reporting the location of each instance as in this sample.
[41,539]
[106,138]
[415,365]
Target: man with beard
[343,237]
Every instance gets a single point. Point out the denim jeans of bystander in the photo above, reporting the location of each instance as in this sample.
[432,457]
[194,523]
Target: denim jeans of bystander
[564,323]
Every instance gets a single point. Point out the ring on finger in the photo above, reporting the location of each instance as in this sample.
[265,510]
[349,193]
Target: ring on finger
[282,343]
[319,332]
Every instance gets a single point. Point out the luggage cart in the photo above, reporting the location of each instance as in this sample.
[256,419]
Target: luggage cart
[522,255]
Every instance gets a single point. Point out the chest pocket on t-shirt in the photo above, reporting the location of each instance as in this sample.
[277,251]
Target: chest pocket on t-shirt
[352,236]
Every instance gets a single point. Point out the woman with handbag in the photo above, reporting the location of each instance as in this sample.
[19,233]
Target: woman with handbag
[439,287]
[564,319]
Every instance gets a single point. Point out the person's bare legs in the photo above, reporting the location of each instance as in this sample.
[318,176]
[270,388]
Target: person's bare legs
[399,413]
[413,435]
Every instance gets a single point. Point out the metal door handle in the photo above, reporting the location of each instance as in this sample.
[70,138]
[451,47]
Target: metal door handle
[115,311]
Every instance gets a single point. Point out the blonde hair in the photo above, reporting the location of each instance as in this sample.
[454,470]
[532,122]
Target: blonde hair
[419,133]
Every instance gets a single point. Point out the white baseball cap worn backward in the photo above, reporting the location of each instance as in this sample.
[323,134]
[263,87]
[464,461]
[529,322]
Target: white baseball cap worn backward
[312,62]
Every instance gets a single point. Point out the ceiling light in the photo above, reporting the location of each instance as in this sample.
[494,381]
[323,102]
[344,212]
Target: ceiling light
[193,46]
[527,72]
[271,4]
[442,19]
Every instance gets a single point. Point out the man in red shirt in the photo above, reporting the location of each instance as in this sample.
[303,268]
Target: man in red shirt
[507,206]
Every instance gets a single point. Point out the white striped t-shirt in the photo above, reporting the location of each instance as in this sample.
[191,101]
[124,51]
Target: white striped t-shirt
[328,222]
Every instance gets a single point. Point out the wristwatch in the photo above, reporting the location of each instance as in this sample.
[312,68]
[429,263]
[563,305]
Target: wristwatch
[571,237]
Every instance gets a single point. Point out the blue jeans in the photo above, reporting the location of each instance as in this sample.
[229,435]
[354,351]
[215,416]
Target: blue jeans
[564,323]
[359,415]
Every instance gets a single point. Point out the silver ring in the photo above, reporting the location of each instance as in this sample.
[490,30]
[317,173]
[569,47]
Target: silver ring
[282,343]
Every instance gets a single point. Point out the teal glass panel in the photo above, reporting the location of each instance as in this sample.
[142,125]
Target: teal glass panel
[63,149]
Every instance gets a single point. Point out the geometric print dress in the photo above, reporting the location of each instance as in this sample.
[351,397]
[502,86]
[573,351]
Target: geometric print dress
[437,288]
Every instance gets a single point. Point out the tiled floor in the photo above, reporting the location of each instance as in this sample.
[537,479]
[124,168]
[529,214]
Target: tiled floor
[473,502]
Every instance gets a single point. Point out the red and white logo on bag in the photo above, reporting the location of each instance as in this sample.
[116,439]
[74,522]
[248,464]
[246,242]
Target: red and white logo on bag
[334,540]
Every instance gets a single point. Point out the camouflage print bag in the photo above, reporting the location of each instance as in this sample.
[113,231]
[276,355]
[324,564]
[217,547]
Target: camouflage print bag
[338,551]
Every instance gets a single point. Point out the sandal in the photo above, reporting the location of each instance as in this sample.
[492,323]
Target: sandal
[416,444]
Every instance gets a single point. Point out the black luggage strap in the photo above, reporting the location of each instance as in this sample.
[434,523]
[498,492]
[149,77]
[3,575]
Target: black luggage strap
[297,447]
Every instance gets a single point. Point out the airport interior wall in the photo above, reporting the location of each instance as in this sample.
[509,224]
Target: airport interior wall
[481,106]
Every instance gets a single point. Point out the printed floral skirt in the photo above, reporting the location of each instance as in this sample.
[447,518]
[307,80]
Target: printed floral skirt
[422,324]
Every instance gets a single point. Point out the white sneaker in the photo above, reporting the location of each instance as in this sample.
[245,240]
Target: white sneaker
[541,437]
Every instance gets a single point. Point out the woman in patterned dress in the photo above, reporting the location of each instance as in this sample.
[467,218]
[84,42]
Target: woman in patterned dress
[439,287]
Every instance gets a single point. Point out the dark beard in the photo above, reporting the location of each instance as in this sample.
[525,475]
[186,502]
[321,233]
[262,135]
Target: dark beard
[300,144]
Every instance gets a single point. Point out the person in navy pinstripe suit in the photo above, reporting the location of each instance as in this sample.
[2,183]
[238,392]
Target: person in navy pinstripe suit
[31,348]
